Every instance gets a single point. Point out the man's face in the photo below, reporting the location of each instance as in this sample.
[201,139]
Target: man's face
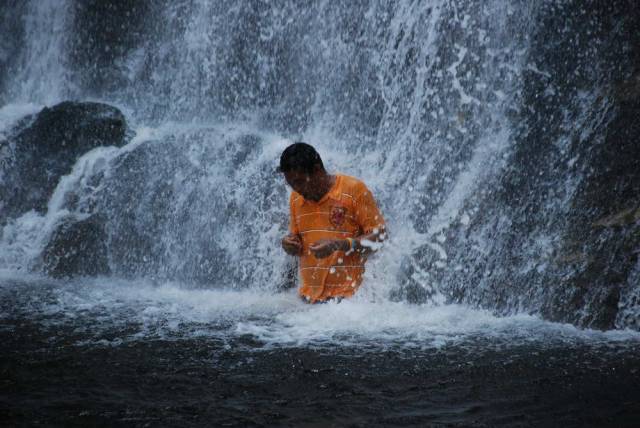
[301,182]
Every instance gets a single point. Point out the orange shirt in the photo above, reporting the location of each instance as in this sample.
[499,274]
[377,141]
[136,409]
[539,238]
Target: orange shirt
[348,210]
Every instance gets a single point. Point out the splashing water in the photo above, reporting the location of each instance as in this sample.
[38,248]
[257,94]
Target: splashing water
[424,101]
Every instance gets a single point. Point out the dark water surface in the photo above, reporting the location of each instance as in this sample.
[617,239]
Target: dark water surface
[70,366]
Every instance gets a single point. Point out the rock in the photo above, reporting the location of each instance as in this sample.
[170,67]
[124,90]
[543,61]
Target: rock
[628,90]
[413,286]
[46,146]
[558,233]
[623,218]
[77,248]
[290,278]
[609,194]
[571,258]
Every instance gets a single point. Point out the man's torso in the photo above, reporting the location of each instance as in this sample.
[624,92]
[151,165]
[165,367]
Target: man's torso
[344,212]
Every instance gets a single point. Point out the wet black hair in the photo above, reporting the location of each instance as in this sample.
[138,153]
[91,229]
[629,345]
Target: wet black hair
[300,157]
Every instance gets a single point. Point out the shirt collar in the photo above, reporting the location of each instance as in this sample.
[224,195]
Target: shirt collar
[333,193]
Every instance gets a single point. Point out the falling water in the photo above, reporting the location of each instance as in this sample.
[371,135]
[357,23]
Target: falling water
[439,106]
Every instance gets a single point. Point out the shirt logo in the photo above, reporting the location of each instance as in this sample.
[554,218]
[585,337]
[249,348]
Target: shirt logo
[337,215]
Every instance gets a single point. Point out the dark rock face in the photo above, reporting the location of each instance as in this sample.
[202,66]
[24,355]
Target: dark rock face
[561,232]
[77,248]
[592,180]
[605,224]
[169,213]
[10,43]
[138,201]
[118,24]
[46,146]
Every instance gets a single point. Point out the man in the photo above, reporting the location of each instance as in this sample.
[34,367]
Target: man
[334,225]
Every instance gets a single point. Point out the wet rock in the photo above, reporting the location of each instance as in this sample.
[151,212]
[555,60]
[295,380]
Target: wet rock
[414,285]
[559,234]
[116,25]
[45,146]
[12,40]
[289,279]
[623,218]
[77,248]
[610,195]
[628,90]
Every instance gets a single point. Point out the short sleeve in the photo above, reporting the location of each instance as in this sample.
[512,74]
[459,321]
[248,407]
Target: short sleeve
[293,224]
[368,214]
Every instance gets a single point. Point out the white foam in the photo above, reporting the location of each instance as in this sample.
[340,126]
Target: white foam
[282,319]
[11,113]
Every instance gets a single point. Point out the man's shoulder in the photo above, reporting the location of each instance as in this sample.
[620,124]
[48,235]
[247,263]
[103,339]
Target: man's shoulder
[295,197]
[352,185]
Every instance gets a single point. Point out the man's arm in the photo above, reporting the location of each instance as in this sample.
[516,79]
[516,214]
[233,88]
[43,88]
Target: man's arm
[292,243]
[364,244]
[371,221]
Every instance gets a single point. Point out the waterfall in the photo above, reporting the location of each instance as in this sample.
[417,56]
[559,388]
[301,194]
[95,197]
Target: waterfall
[479,126]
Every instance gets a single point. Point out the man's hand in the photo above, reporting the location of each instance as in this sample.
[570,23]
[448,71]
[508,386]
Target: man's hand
[325,247]
[292,244]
